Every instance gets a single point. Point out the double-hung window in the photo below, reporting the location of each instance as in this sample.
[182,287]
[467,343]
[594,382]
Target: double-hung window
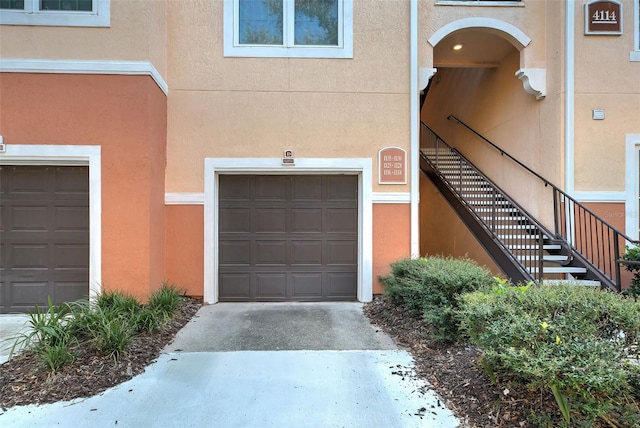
[71,13]
[288,28]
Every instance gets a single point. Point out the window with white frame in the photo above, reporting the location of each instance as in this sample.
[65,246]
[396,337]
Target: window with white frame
[68,13]
[288,28]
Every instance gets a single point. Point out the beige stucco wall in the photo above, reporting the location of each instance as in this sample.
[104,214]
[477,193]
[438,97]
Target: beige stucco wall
[604,79]
[137,33]
[258,107]
[530,17]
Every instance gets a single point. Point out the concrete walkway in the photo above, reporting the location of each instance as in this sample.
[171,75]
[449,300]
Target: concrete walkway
[262,365]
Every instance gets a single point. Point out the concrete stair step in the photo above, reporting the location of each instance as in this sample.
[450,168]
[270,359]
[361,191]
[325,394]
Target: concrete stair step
[560,269]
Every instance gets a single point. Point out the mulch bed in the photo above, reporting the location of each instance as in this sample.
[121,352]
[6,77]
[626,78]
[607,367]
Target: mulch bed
[454,372]
[25,380]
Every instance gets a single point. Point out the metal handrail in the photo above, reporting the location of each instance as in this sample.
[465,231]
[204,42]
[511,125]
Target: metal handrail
[571,216]
[525,250]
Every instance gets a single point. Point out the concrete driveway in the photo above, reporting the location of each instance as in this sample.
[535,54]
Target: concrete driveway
[263,365]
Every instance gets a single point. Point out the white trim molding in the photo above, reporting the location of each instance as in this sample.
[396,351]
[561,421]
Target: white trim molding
[362,167]
[32,15]
[632,191]
[36,154]
[391,197]
[184,198]
[128,68]
[597,196]
[508,31]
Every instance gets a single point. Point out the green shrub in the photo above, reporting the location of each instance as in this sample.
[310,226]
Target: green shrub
[44,328]
[430,287]
[165,300]
[55,356]
[110,324]
[148,320]
[633,255]
[111,332]
[118,301]
[574,341]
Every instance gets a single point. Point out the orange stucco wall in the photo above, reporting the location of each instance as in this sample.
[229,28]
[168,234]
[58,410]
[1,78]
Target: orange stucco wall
[443,233]
[391,238]
[126,116]
[185,247]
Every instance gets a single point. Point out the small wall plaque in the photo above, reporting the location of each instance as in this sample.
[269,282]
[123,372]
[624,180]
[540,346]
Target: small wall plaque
[287,158]
[392,165]
[603,17]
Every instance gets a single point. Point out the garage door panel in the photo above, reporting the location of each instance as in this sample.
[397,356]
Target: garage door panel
[340,284]
[235,187]
[30,181]
[70,218]
[341,253]
[71,256]
[65,291]
[306,285]
[235,252]
[299,238]
[306,252]
[29,218]
[307,188]
[271,285]
[306,220]
[271,252]
[235,220]
[270,220]
[342,188]
[341,220]
[271,187]
[71,181]
[235,285]
[29,293]
[29,256]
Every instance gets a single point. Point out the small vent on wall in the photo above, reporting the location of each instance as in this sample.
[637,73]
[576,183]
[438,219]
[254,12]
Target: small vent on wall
[598,114]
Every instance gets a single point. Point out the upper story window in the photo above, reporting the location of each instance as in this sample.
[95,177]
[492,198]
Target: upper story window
[68,13]
[288,28]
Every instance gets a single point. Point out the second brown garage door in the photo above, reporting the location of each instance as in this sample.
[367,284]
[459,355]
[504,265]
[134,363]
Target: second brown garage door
[288,237]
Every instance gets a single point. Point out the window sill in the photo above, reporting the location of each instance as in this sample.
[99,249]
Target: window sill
[634,56]
[505,3]
[279,52]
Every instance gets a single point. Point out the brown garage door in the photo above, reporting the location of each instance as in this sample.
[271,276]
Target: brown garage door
[288,237]
[44,235]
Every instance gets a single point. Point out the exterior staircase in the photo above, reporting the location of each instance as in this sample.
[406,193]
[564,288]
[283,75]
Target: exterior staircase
[522,247]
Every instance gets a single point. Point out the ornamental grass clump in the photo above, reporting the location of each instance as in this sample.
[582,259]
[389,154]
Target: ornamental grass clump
[430,286]
[578,343]
[109,324]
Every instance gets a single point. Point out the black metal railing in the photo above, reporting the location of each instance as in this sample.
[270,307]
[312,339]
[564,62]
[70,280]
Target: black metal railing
[512,228]
[589,238]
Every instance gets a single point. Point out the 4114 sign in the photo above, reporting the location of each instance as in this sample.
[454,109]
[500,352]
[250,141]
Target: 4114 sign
[603,17]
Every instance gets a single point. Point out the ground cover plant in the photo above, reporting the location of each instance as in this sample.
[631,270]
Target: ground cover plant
[80,349]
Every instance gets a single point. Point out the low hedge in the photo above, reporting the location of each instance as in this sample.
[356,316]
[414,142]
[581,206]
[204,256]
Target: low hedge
[578,342]
[430,287]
